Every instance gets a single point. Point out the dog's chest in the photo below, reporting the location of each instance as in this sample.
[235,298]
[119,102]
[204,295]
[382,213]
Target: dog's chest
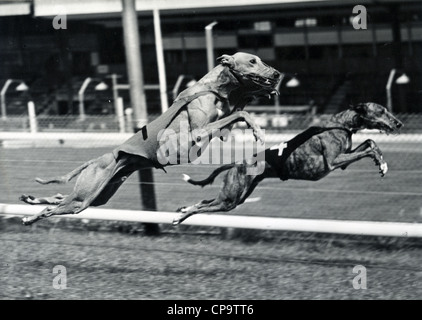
[348,144]
[223,109]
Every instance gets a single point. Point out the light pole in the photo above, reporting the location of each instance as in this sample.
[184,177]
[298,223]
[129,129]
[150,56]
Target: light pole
[99,87]
[160,60]
[115,87]
[403,79]
[21,87]
[138,100]
[210,45]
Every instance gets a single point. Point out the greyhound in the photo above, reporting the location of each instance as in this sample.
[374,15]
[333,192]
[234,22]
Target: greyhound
[311,155]
[203,107]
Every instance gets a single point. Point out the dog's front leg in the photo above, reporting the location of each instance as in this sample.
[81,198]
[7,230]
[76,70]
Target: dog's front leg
[366,145]
[346,159]
[230,120]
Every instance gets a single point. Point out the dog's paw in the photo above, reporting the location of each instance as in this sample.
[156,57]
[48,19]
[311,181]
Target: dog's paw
[383,168]
[26,221]
[28,199]
[181,209]
[259,135]
[177,221]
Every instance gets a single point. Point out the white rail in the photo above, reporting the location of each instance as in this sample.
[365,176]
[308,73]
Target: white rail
[369,228]
[114,138]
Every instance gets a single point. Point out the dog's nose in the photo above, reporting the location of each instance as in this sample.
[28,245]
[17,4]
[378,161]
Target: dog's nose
[276,74]
[399,125]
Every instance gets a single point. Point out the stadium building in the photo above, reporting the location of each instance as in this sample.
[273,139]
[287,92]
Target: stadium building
[316,41]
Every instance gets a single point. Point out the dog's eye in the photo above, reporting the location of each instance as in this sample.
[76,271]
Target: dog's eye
[253,61]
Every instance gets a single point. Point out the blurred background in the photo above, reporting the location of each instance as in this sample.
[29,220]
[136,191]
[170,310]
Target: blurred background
[331,63]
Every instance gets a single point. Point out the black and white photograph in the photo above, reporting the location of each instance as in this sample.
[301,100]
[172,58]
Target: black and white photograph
[208,156]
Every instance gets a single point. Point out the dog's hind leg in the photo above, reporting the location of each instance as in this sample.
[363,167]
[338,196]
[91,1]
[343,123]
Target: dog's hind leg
[196,206]
[56,199]
[213,205]
[250,189]
[90,183]
[237,186]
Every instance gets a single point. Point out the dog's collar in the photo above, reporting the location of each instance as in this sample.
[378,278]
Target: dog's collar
[238,75]
[349,131]
[195,95]
[219,96]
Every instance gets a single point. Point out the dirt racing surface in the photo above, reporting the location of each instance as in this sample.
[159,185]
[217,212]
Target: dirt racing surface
[100,263]
[113,265]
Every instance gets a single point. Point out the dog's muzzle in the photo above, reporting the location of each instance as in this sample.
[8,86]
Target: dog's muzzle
[265,82]
[269,83]
[390,125]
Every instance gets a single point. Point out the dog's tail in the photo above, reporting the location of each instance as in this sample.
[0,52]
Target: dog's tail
[67,177]
[211,177]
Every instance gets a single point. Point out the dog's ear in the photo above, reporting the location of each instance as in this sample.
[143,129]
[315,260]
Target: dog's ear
[226,60]
[359,108]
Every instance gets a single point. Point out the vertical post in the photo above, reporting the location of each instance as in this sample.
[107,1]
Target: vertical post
[401,105]
[120,114]
[396,30]
[3,107]
[81,97]
[3,98]
[307,56]
[129,120]
[66,58]
[138,100]
[32,117]
[115,93]
[160,61]
[133,63]
[276,97]
[210,45]
[388,89]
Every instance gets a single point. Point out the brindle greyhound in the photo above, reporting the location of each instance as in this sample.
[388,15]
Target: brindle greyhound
[203,106]
[311,155]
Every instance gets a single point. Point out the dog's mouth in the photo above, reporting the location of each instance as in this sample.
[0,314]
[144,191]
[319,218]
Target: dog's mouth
[388,125]
[269,84]
[388,128]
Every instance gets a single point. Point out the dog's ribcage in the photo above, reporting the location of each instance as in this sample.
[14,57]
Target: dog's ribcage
[311,160]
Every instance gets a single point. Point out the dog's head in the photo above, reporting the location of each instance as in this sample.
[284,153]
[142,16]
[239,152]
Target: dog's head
[251,71]
[375,116]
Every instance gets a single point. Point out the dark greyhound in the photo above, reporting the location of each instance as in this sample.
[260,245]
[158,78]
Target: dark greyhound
[311,155]
[203,108]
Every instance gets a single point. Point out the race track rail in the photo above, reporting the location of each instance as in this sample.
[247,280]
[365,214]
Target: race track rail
[365,228]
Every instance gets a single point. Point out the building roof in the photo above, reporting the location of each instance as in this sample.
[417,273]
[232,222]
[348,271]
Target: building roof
[101,8]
